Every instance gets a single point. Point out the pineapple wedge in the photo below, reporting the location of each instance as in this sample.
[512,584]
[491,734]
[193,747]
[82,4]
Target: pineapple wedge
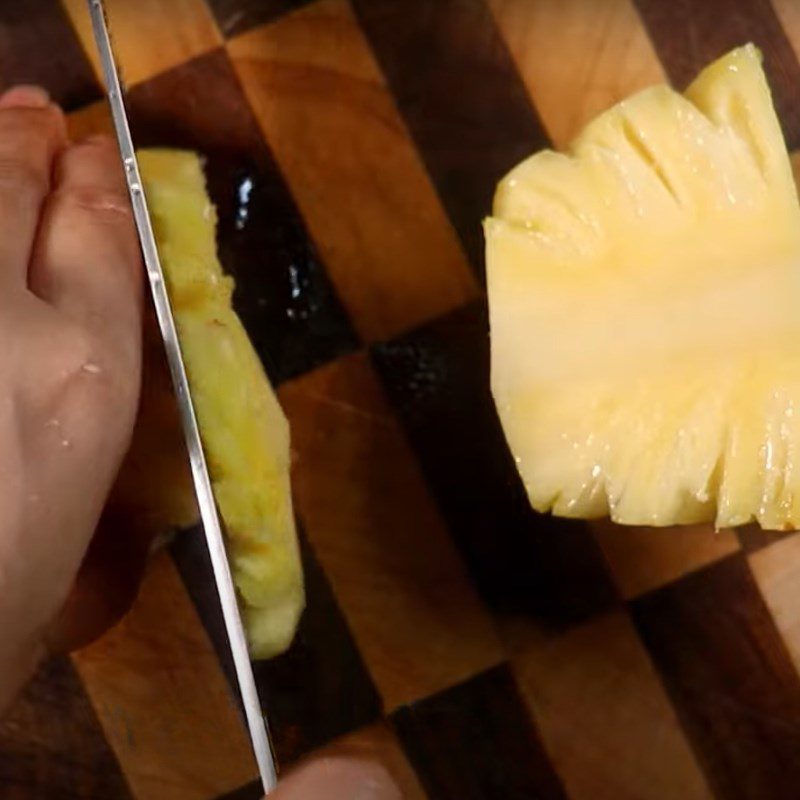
[244,431]
[644,295]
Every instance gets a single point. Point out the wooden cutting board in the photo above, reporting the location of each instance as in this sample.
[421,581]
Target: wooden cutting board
[481,651]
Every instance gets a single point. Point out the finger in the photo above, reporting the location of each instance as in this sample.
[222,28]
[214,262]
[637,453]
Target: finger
[24,96]
[338,779]
[87,260]
[32,131]
[107,582]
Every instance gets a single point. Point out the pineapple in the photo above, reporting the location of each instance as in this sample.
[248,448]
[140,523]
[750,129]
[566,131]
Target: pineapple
[244,431]
[643,293]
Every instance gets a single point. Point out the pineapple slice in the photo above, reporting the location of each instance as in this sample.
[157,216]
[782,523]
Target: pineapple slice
[184,223]
[644,291]
[244,431]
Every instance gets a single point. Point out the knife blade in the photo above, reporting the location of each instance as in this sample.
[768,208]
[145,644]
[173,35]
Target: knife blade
[256,721]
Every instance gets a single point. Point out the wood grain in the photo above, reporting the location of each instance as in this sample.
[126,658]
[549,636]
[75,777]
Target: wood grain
[284,296]
[730,679]
[788,13]
[52,746]
[38,45]
[330,120]
[395,572]
[642,559]
[149,36]
[776,569]
[602,712]
[162,698]
[475,742]
[352,153]
[315,692]
[596,54]
[437,378]
[89,120]
[377,743]
[461,97]
[689,35]
[237,16]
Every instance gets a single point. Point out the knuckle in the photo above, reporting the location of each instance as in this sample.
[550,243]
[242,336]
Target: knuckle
[22,178]
[105,205]
[98,141]
[31,126]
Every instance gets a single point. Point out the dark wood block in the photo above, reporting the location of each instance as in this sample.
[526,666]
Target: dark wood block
[461,96]
[602,711]
[730,678]
[752,537]
[364,193]
[380,538]
[375,743]
[476,742]
[438,380]
[283,295]
[252,791]
[320,688]
[238,16]
[688,35]
[52,745]
[39,45]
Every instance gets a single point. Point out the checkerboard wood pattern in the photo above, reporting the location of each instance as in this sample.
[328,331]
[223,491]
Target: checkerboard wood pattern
[482,651]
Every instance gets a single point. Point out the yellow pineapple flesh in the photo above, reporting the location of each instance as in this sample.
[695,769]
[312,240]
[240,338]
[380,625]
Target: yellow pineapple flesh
[644,290]
[245,433]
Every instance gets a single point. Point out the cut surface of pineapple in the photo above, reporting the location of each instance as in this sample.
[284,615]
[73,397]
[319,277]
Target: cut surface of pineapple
[245,433]
[644,289]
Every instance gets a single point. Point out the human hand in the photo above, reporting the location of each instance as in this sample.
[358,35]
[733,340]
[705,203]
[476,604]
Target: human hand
[70,321]
[152,496]
[338,778]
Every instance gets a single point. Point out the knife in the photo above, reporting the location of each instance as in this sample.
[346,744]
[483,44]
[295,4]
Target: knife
[209,515]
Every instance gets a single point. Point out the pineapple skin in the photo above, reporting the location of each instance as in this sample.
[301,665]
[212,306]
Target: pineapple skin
[244,431]
[643,293]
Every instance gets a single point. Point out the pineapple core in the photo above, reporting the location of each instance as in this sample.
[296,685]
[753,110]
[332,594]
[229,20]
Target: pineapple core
[644,296]
[245,434]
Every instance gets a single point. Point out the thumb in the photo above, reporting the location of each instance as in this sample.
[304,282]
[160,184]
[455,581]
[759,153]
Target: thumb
[338,778]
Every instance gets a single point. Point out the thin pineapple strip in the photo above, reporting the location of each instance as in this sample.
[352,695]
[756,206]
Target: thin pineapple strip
[644,291]
[245,433]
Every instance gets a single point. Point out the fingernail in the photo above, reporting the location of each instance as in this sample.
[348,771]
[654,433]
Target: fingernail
[25,97]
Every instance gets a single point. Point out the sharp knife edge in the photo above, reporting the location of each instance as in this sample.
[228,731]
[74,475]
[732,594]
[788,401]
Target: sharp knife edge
[208,510]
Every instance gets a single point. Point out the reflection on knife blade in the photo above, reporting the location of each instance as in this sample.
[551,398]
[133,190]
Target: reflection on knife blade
[206,502]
